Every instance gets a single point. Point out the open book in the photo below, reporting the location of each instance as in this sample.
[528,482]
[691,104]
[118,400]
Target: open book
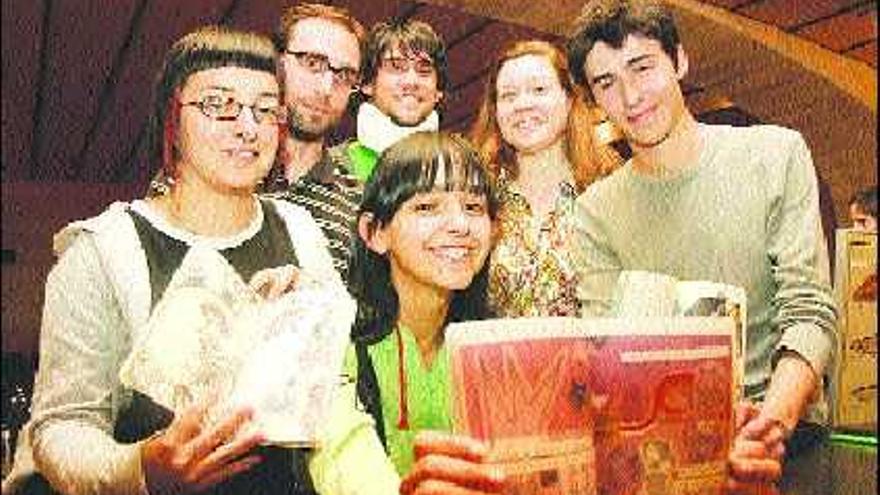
[608,405]
[212,340]
[649,294]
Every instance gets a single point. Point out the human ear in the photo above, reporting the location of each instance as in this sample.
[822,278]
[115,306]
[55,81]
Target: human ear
[367,89]
[682,68]
[374,237]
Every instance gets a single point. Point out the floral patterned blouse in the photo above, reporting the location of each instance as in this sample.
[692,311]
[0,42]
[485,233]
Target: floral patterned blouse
[531,271]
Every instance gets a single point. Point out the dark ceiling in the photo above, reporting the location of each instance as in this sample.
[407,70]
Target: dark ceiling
[77,74]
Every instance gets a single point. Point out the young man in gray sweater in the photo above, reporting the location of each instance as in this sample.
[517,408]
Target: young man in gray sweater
[705,202]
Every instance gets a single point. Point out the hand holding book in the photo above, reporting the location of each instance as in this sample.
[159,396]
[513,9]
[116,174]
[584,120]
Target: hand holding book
[446,462]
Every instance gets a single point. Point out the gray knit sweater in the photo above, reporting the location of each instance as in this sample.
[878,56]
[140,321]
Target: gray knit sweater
[747,214]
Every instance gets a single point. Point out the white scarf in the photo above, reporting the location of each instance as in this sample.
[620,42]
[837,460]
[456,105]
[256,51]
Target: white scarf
[377,131]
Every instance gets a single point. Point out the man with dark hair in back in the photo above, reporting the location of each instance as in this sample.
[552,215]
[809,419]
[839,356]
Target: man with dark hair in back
[319,69]
[708,202]
[404,76]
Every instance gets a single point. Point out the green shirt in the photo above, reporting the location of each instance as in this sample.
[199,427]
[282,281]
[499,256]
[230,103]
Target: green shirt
[428,392]
[363,160]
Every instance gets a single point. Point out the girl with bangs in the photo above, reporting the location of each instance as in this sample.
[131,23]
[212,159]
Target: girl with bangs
[214,133]
[424,228]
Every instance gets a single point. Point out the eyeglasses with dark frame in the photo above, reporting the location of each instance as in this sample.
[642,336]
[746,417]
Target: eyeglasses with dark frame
[423,65]
[318,64]
[222,108]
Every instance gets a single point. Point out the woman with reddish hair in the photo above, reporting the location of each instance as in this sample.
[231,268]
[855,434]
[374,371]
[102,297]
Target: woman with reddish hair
[536,133]
[214,133]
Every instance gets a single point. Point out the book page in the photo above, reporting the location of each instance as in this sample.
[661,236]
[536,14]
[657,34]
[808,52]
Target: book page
[701,298]
[649,294]
[608,405]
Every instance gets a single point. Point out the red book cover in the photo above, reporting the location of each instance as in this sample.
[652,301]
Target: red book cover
[599,406]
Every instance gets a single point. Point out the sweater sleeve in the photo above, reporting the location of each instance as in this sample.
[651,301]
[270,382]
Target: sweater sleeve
[76,394]
[596,264]
[806,314]
[351,460]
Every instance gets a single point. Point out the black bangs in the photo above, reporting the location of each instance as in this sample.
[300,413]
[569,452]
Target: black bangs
[424,162]
[206,58]
[221,58]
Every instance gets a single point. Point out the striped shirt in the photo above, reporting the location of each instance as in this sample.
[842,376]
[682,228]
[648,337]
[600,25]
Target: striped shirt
[332,196]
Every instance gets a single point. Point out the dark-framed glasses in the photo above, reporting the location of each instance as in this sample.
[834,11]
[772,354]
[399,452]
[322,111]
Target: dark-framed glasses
[318,64]
[219,107]
[423,66]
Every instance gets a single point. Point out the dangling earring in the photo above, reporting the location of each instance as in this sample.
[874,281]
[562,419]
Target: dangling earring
[165,179]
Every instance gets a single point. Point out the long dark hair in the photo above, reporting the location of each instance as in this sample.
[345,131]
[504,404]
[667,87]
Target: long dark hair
[407,168]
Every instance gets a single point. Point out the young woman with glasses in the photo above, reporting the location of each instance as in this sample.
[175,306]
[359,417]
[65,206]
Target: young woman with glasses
[214,134]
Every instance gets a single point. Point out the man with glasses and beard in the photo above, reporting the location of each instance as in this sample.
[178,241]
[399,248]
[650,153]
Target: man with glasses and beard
[319,67]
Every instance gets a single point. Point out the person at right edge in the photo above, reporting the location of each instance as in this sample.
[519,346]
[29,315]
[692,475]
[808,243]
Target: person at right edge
[708,202]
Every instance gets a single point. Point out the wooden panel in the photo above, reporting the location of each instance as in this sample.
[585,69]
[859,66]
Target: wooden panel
[531,14]
[21,35]
[478,52]
[465,102]
[728,4]
[866,53]
[451,24]
[116,137]
[82,44]
[842,32]
[789,13]
[373,11]
[258,15]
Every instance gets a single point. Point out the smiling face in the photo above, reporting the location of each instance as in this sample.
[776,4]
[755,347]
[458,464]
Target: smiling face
[639,89]
[230,155]
[316,103]
[532,107]
[405,87]
[436,241]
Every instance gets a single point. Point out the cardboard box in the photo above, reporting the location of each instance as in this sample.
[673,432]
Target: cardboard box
[855,390]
